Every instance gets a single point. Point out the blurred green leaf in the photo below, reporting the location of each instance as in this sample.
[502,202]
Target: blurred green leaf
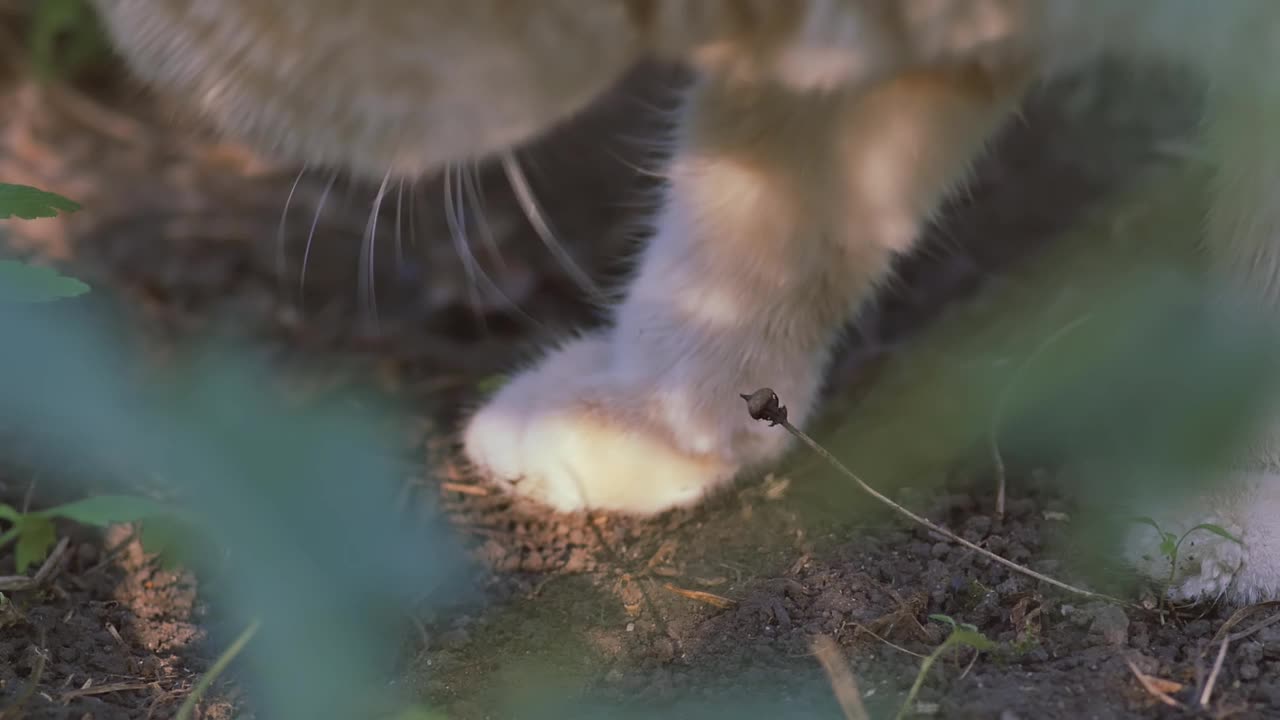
[1216,530]
[23,283]
[170,539]
[30,203]
[104,510]
[64,35]
[35,537]
[972,638]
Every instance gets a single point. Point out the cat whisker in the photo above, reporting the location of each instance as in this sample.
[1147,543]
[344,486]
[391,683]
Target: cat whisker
[282,260]
[399,235]
[458,234]
[533,211]
[311,234]
[368,247]
[413,204]
[475,196]
[477,278]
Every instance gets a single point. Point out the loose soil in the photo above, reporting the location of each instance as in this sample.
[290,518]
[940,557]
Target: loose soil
[699,606]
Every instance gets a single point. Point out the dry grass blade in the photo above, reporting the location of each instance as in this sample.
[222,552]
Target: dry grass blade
[103,689]
[712,599]
[843,682]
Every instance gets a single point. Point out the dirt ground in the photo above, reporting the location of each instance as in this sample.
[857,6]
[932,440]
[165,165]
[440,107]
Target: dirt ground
[680,613]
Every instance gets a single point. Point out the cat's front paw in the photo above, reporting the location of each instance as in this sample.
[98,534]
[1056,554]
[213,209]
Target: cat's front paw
[1229,544]
[571,434]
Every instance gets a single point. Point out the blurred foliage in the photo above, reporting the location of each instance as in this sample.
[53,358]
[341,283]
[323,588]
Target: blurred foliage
[22,282]
[299,503]
[294,505]
[64,37]
[25,283]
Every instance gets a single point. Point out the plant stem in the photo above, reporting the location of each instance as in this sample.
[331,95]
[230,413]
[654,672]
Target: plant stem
[189,705]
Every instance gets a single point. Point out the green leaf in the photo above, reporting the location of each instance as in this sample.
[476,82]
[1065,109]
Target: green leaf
[975,640]
[20,282]
[30,203]
[7,512]
[168,538]
[34,540]
[1216,530]
[1143,519]
[947,619]
[104,510]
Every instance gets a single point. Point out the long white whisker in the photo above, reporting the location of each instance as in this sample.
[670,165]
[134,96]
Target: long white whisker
[369,245]
[399,237]
[282,260]
[457,233]
[476,276]
[476,197]
[306,252]
[529,203]
[472,185]
[413,204]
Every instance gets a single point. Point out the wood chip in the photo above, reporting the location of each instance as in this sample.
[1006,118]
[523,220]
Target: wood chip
[1158,688]
[723,603]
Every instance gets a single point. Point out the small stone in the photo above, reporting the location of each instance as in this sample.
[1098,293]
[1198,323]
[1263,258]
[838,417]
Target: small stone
[1249,671]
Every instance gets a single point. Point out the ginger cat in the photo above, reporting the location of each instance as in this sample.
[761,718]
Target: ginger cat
[818,137]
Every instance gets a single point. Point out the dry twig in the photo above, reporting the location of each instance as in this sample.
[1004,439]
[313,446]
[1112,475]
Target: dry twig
[20,583]
[763,404]
[1227,639]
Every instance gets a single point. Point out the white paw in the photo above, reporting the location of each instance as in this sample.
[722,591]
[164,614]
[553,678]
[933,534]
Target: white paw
[573,434]
[1243,568]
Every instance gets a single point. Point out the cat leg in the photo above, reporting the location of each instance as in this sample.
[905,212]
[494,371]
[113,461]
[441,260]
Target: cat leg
[782,212]
[1242,241]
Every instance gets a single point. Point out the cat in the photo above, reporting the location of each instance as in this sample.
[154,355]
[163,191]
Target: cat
[816,140]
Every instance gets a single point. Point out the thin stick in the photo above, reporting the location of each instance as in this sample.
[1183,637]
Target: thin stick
[763,404]
[1213,674]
